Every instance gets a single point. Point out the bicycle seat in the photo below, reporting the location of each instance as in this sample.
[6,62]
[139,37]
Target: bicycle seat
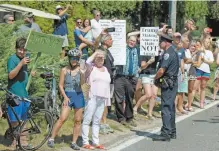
[46,75]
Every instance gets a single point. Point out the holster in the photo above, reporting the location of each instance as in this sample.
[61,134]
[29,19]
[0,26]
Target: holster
[165,82]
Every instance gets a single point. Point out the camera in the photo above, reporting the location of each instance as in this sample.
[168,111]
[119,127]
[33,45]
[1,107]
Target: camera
[112,29]
[168,27]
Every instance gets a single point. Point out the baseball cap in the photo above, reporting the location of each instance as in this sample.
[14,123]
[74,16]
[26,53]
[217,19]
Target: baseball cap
[28,14]
[58,7]
[164,37]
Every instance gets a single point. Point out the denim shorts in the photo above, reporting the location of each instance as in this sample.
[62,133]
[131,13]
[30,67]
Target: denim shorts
[201,75]
[76,99]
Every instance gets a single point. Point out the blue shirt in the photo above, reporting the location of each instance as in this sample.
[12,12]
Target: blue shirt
[78,33]
[60,26]
[18,84]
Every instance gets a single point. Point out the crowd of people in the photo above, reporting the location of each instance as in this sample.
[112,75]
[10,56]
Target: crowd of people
[103,80]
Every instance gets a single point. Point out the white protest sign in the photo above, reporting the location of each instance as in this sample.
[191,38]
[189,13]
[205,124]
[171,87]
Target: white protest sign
[149,41]
[118,49]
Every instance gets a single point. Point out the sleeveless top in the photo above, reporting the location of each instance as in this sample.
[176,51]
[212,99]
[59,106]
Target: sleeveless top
[100,83]
[72,83]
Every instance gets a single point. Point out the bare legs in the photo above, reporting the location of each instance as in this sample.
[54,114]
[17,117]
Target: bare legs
[216,88]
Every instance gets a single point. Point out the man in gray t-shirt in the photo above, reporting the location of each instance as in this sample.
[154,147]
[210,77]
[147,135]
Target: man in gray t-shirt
[29,23]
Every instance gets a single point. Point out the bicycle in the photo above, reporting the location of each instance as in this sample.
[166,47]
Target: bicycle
[34,129]
[50,97]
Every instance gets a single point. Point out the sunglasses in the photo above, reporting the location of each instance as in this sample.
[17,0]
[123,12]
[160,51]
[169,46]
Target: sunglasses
[74,58]
[11,20]
[98,15]
[79,22]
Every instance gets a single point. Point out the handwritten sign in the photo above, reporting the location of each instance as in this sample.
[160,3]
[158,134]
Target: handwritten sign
[118,48]
[149,41]
[40,42]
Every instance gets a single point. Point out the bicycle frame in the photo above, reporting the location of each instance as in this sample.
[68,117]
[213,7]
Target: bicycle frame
[53,89]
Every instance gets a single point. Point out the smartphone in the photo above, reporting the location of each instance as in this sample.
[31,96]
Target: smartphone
[214,39]
[112,29]
[28,55]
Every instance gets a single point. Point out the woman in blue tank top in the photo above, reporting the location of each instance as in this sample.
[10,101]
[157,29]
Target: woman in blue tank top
[70,88]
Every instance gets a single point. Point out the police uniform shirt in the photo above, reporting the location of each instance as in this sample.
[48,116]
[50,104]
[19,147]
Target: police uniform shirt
[170,62]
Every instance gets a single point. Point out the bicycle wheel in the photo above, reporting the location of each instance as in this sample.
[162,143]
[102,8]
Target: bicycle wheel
[34,132]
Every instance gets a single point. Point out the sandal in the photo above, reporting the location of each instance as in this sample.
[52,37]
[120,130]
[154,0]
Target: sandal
[100,147]
[88,146]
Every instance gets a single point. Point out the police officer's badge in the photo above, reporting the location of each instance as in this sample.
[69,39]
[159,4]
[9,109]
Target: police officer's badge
[166,56]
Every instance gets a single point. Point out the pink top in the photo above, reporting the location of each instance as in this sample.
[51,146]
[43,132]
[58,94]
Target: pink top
[100,84]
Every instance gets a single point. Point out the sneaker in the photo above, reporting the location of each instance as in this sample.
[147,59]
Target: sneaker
[103,129]
[50,143]
[74,146]
[108,128]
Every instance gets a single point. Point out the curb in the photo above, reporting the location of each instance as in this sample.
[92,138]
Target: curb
[134,139]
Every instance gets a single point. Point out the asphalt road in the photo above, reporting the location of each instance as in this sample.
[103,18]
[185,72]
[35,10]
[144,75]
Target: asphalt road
[199,132]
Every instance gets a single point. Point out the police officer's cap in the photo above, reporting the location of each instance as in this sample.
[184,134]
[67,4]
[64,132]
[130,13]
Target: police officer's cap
[167,38]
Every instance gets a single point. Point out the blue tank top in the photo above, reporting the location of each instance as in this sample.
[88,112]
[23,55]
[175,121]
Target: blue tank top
[72,83]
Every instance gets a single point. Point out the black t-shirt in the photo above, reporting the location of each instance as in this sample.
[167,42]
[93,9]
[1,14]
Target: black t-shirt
[152,68]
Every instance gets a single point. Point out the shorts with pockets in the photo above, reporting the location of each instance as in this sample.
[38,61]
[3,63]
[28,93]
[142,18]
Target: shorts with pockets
[76,99]
[20,110]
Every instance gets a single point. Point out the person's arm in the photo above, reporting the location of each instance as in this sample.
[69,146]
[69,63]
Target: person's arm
[61,86]
[160,73]
[198,62]
[12,73]
[85,30]
[164,65]
[84,40]
[65,10]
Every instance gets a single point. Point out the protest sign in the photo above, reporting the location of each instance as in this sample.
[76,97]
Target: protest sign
[149,41]
[40,42]
[118,48]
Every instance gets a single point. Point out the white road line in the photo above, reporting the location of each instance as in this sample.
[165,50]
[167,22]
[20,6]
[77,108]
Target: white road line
[135,139]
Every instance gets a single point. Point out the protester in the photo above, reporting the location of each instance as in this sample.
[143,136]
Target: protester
[70,88]
[60,26]
[29,23]
[87,33]
[182,75]
[79,38]
[8,19]
[203,72]
[147,74]
[99,97]
[17,82]
[168,70]
[95,25]
[106,42]
[125,83]
[193,61]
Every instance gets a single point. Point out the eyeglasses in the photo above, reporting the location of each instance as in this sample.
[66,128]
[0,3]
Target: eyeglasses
[11,20]
[74,58]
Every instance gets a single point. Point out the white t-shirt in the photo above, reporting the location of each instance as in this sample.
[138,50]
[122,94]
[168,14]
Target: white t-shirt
[188,55]
[95,28]
[208,55]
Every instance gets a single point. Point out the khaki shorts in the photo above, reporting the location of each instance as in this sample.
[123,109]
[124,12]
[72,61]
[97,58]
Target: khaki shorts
[65,42]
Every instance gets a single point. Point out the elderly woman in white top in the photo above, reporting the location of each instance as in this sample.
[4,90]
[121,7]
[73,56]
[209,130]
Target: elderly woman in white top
[99,97]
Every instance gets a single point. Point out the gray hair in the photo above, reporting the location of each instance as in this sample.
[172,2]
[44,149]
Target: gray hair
[6,17]
[95,12]
[104,38]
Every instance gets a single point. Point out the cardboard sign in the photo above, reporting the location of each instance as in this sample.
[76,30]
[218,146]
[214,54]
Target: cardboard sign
[118,49]
[149,41]
[40,42]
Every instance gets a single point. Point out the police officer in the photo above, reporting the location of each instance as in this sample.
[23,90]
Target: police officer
[167,76]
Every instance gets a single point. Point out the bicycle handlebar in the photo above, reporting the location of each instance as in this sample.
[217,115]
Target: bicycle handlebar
[14,96]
